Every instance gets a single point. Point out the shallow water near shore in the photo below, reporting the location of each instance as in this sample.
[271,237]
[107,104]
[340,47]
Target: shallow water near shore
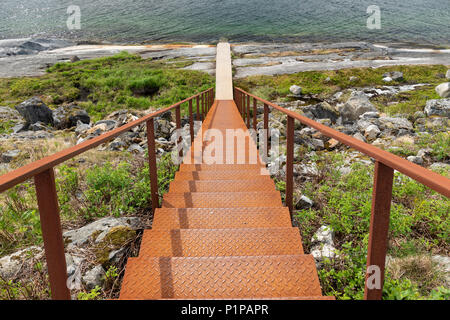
[415,21]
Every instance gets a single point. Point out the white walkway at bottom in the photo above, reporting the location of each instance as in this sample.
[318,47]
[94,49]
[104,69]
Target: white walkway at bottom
[224,76]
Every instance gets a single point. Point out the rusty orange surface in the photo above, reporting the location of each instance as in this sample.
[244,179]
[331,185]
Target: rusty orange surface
[222,231]
[221,242]
[216,218]
[257,184]
[220,277]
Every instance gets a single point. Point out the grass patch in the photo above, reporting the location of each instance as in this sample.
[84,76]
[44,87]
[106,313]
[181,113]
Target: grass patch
[85,192]
[418,226]
[102,85]
[315,82]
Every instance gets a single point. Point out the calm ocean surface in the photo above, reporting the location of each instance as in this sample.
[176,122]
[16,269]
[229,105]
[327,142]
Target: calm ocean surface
[412,21]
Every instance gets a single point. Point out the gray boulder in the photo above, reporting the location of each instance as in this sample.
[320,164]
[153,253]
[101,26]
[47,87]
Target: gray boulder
[295,90]
[81,127]
[74,59]
[11,265]
[370,115]
[9,114]
[437,166]
[438,107]
[135,148]
[94,277]
[304,203]
[34,110]
[356,105]
[323,245]
[9,156]
[99,229]
[394,124]
[395,75]
[109,124]
[322,110]
[325,234]
[415,159]
[447,75]
[68,116]
[443,90]
[38,126]
[371,132]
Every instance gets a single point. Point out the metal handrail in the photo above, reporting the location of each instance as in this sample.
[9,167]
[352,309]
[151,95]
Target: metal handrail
[427,177]
[385,163]
[26,172]
[44,179]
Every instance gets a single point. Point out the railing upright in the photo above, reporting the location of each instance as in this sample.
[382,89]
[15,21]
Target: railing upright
[198,108]
[290,164]
[266,127]
[379,227]
[178,127]
[191,122]
[248,112]
[152,164]
[47,200]
[255,107]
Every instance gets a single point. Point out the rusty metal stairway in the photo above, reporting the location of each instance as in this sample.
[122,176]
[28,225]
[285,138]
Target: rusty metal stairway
[222,231]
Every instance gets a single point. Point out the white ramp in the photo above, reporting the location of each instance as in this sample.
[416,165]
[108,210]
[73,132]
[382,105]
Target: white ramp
[224,76]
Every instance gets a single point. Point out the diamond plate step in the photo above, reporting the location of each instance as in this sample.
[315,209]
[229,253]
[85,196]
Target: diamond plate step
[220,242]
[221,199]
[221,175]
[216,218]
[221,167]
[220,277]
[257,184]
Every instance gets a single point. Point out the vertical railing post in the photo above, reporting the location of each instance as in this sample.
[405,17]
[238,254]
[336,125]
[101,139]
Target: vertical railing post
[255,106]
[198,108]
[237,98]
[379,227]
[266,127]
[203,106]
[52,234]
[244,113]
[152,163]
[248,112]
[178,124]
[191,122]
[290,163]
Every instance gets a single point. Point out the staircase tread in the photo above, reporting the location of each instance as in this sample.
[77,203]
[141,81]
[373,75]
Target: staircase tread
[221,199]
[221,242]
[221,167]
[257,184]
[220,175]
[220,277]
[198,218]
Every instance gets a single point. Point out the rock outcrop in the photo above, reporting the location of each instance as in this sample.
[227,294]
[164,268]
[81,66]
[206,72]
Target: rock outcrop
[34,110]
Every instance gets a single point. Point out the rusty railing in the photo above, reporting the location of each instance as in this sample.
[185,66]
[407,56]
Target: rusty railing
[385,163]
[44,180]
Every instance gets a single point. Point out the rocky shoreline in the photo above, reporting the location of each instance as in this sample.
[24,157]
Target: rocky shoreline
[31,57]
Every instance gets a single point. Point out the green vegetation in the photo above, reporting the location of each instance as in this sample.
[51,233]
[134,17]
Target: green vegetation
[102,85]
[92,295]
[438,143]
[418,227]
[84,194]
[315,82]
